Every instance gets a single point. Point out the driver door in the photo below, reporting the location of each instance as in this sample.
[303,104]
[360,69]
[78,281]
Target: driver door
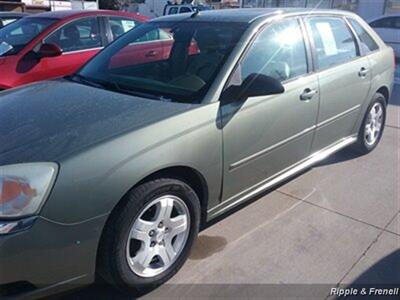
[264,135]
[79,40]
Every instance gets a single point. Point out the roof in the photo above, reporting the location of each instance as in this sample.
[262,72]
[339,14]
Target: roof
[245,15]
[63,14]
[11,14]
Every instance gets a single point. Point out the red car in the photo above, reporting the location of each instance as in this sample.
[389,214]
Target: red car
[55,44]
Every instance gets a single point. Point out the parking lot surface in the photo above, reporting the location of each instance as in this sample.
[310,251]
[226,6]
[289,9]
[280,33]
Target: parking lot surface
[337,223]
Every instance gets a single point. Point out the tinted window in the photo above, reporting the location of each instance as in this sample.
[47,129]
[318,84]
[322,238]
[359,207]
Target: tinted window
[173,10]
[77,35]
[367,42]
[392,23]
[333,41]
[18,34]
[119,26]
[185,10]
[279,52]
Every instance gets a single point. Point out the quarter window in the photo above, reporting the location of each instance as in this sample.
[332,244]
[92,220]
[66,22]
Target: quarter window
[333,41]
[367,42]
[279,52]
[78,35]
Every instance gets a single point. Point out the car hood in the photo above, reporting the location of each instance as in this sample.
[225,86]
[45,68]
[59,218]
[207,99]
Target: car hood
[53,119]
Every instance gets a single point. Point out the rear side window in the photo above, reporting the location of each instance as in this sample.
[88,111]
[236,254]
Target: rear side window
[333,40]
[367,42]
[119,26]
[278,51]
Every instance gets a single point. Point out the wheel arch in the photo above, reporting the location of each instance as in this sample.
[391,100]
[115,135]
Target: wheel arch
[191,177]
[384,90]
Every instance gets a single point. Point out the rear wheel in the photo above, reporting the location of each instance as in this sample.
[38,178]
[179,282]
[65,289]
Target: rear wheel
[148,237]
[373,125]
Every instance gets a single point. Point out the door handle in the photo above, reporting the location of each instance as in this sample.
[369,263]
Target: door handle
[151,54]
[363,72]
[308,94]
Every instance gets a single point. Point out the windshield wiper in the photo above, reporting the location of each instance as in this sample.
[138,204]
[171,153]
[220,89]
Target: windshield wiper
[113,86]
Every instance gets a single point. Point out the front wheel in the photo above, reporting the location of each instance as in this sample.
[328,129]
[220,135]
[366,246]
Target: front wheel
[371,129]
[148,237]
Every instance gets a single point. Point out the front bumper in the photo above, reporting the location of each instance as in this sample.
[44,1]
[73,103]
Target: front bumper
[47,256]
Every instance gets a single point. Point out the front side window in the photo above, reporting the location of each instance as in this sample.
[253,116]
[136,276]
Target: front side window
[78,35]
[278,51]
[14,37]
[367,42]
[185,9]
[181,68]
[119,26]
[333,41]
[173,10]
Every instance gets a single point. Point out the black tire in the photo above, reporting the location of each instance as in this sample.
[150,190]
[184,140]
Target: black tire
[112,263]
[361,146]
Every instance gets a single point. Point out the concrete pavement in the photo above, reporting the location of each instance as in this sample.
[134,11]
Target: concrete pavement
[338,223]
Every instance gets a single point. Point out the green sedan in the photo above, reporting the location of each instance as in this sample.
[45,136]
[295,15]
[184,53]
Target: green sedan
[111,172]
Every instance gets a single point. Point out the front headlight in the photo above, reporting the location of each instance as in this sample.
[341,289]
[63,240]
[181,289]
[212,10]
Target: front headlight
[25,187]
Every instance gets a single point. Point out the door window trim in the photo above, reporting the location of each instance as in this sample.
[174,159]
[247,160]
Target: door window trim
[257,34]
[315,57]
[74,20]
[358,38]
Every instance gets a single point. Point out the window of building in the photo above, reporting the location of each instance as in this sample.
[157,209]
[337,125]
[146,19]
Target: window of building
[319,3]
[333,41]
[351,5]
[392,6]
[292,3]
[367,42]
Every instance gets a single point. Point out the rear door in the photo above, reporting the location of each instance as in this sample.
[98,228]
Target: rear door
[79,40]
[343,75]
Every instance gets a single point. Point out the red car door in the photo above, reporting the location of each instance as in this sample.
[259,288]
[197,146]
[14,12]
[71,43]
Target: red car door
[79,41]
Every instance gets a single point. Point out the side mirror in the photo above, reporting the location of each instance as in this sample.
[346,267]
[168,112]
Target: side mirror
[260,85]
[49,50]
[254,85]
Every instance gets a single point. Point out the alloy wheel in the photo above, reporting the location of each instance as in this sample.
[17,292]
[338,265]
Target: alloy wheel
[158,236]
[374,124]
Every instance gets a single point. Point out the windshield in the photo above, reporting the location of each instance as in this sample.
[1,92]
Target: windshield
[15,36]
[170,61]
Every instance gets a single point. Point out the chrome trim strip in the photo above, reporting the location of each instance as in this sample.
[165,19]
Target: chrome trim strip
[331,119]
[83,50]
[269,149]
[289,139]
[269,182]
